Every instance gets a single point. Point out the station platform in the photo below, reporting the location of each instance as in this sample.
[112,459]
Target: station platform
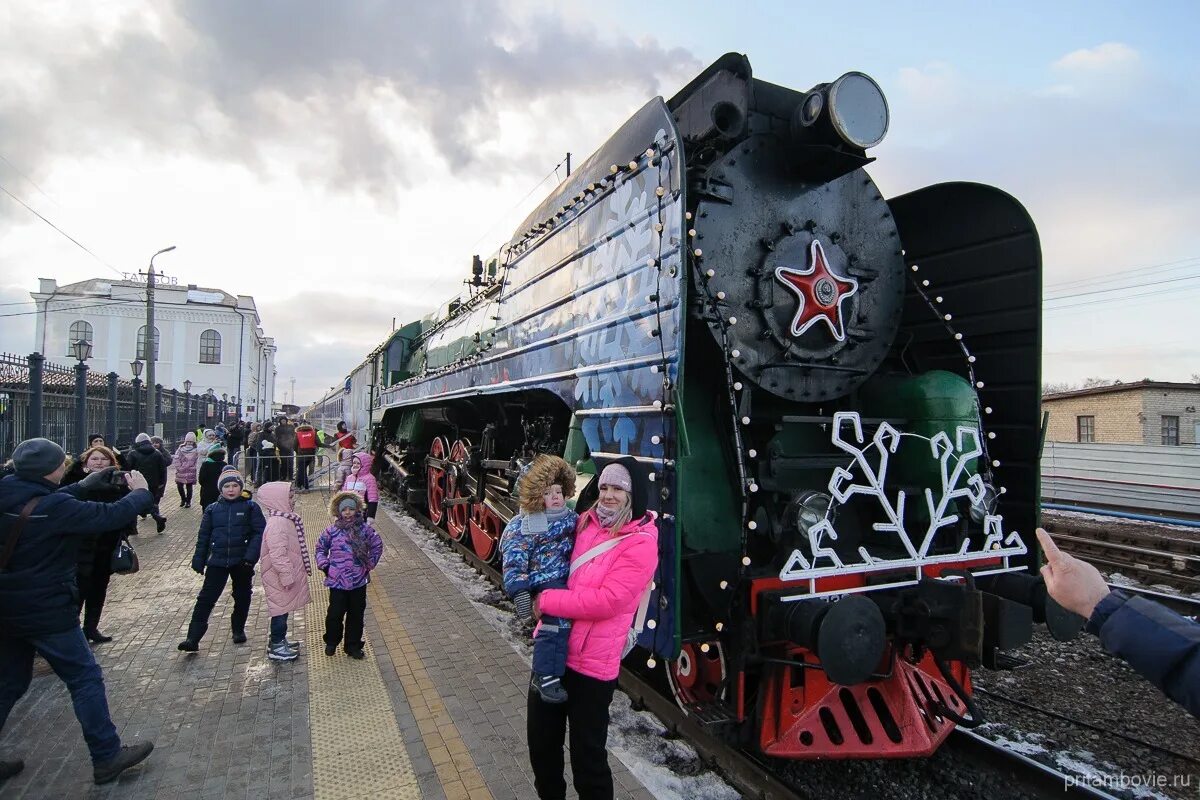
[436,710]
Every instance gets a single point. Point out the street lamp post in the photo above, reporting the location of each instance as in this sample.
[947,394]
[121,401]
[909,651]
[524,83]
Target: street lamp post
[83,351]
[210,401]
[151,340]
[187,405]
[136,366]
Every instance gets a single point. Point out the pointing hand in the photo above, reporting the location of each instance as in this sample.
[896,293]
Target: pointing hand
[1076,585]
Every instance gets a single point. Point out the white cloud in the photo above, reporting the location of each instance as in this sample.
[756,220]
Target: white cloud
[1104,57]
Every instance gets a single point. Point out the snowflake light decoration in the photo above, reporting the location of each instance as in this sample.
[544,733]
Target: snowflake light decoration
[867,475]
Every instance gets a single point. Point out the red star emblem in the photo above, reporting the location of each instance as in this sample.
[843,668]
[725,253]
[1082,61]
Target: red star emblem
[819,293]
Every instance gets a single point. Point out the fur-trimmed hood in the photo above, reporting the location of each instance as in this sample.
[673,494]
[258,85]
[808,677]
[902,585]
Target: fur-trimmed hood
[340,496]
[542,473]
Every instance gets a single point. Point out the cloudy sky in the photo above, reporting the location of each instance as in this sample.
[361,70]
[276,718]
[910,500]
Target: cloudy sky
[342,161]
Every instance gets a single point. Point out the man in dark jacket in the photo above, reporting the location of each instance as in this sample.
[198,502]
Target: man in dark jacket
[1161,645]
[227,547]
[147,460]
[39,601]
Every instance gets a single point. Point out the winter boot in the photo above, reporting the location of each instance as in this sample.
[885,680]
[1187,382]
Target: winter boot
[549,688]
[281,652]
[129,755]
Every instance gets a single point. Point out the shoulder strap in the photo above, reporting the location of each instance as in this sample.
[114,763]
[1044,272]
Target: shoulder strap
[598,550]
[15,532]
[639,622]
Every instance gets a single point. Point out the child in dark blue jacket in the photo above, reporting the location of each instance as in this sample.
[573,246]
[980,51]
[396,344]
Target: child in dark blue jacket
[535,550]
[227,547]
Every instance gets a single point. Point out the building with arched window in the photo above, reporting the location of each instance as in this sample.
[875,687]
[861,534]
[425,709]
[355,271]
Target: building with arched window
[80,329]
[207,336]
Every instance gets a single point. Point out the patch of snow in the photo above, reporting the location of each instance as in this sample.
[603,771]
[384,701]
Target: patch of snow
[198,296]
[667,766]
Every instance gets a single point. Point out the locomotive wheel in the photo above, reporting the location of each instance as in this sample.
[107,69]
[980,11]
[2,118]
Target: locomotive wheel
[457,516]
[435,481]
[697,677]
[485,533]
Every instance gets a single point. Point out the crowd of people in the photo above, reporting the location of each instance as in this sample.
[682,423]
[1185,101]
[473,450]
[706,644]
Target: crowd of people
[66,520]
[583,575]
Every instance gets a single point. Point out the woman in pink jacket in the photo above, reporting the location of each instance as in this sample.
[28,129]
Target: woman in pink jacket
[285,564]
[187,458]
[601,599]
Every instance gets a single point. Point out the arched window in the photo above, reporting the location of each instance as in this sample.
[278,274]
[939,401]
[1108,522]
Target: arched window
[141,343]
[79,330]
[210,347]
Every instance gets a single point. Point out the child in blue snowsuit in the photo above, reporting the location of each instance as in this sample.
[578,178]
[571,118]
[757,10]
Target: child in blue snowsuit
[535,549]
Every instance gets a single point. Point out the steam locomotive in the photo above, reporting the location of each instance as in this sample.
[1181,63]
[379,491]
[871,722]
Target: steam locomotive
[835,396]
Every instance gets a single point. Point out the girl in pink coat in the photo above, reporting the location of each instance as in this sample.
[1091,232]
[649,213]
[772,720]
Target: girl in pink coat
[601,597]
[362,482]
[285,564]
[187,458]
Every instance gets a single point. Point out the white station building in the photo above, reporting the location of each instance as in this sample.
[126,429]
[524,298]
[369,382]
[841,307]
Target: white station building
[207,336]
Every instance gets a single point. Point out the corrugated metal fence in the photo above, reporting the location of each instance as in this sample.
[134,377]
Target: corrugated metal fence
[1151,478]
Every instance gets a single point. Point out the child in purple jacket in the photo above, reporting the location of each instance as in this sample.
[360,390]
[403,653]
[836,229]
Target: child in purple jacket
[347,552]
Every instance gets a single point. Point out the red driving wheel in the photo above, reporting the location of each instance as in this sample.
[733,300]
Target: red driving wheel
[435,480]
[697,677]
[458,515]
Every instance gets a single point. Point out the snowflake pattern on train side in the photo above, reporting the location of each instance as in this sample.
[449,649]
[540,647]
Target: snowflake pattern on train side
[867,474]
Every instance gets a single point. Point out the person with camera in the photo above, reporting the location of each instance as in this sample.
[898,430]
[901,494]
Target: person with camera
[41,527]
[94,568]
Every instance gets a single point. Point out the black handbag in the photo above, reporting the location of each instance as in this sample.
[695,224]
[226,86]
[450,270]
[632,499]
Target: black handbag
[124,559]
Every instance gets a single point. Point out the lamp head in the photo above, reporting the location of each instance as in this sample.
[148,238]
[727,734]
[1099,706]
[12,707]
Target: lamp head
[136,365]
[82,350]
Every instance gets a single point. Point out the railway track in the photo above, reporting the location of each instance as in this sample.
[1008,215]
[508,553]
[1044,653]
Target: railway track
[756,778]
[1151,555]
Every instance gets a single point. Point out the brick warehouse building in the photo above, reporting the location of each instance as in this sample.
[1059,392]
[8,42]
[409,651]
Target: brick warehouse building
[1144,412]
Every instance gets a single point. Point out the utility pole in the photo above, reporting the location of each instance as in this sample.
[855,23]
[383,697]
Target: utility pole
[293,391]
[151,342]
[568,165]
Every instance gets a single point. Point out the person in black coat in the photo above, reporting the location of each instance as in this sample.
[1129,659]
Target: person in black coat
[94,562]
[1164,647]
[146,459]
[210,471]
[227,547]
[39,601]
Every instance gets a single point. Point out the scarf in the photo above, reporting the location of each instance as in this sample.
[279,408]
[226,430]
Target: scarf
[359,545]
[616,518]
[299,523]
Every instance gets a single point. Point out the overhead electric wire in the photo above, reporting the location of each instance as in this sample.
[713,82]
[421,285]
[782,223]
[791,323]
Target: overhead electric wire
[514,206]
[30,180]
[1124,273]
[1122,288]
[1124,298]
[72,239]
[74,308]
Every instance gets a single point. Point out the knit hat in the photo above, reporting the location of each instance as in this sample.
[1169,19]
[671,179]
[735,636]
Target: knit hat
[229,474]
[347,502]
[94,436]
[141,437]
[616,475]
[37,458]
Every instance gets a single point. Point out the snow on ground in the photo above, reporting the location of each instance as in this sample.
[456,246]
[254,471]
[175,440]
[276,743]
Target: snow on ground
[667,766]
[1108,519]
[1085,767]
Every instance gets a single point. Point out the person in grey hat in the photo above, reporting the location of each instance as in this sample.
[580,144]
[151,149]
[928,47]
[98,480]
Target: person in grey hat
[147,459]
[40,529]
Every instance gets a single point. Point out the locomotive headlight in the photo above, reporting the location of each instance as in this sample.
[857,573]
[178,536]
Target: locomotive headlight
[808,508]
[985,505]
[858,110]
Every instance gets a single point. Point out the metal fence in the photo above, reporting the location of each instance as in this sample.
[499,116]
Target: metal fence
[1152,478]
[38,398]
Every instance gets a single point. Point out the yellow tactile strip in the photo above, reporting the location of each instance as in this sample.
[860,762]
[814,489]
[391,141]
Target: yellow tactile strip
[456,769]
[357,748]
